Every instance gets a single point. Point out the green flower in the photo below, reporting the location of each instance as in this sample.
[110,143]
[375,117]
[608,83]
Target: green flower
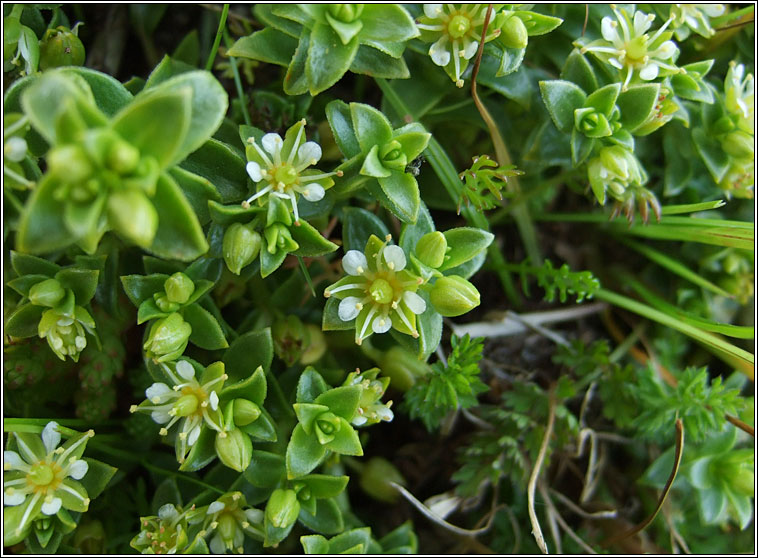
[379,293]
[167,339]
[229,519]
[66,332]
[165,533]
[43,478]
[371,409]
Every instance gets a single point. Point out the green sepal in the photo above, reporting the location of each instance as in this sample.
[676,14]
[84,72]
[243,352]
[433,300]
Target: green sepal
[266,469]
[12,516]
[342,401]
[197,546]
[179,235]
[314,544]
[67,523]
[310,385]
[326,518]
[156,124]
[202,452]
[268,45]
[561,99]
[429,325]
[44,536]
[637,103]
[538,24]
[23,321]
[98,476]
[371,126]
[228,214]
[274,535]
[304,453]
[71,502]
[345,441]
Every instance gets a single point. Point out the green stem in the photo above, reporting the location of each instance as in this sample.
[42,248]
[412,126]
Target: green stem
[17,177]
[217,40]
[306,275]
[237,81]
[731,16]
[726,351]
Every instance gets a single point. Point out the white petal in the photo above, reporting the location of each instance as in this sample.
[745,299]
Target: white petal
[193,436]
[78,469]
[439,53]
[359,420]
[348,309]
[167,511]
[185,370]
[214,400]
[80,342]
[215,507]
[641,23]
[309,152]
[470,50]
[254,171]
[254,516]
[608,29]
[161,417]
[415,303]
[15,498]
[272,143]
[381,324]
[432,10]
[385,414]
[666,50]
[50,436]
[649,72]
[52,507]
[354,262]
[217,545]
[312,192]
[616,63]
[14,459]
[158,389]
[395,257]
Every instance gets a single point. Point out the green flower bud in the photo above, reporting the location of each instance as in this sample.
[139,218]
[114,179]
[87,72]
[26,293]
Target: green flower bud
[168,338]
[70,163]
[245,412]
[453,296]
[60,47]
[392,156]
[592,123]
[282,508]
[241,246]
[122,157]
[402,367]
[179,287]
[739,145]
[723,125]
[227,528]
[375,480]
[345,13]
[46,293]
[278,238]
[431,249]
[14,149]
[164,304]
[743,480]
[316,345]
[133,216]
[326,426]
[234,449]
[514,34]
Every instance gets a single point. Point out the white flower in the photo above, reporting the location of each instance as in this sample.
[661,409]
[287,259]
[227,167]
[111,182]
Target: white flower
[187,401]
[40,476]
[739,93]
[379,293]
[695,17]
[231,510]
[627,46]
[455,31]
[281,165]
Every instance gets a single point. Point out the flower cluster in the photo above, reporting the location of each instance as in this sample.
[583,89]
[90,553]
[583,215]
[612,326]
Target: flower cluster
[739,141]
[187,401]
[379,293]
[371,409]
[695,17]
[229,519]
[43,478]
[165,533]
[279,168]
[627,46]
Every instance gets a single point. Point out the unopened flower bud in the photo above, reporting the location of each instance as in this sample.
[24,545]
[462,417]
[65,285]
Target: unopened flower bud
[316,345]
[375,480]
[70,163]
[282,508]
[46,293]
[179,287]
[245,412]
[431,249]
[60,47]
[278,238]
[133,216]
[168,338]
[514,34]
[234,449]
[164,304]
[453,296]
[14,149]
[723,125]
[346,13]
[227,528]
[241,246]
[402,367]
[592,123]
[122,157]
[392,156]
[738,144]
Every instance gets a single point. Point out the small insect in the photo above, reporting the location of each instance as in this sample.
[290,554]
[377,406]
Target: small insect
[414,167]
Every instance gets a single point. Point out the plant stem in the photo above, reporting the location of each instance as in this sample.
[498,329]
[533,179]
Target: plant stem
[237,81]
[217,40]
[536,530]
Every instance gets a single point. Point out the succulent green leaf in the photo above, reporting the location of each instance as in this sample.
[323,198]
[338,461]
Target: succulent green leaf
[371,126]
[465,243]
[346,441]
[342,401]
[304,453]
[268,45]
[247,353]
[401,189]
[636,104]
[42,228]
[327,519]
[206,331]
[23,321]
[562,98]
[328,59]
